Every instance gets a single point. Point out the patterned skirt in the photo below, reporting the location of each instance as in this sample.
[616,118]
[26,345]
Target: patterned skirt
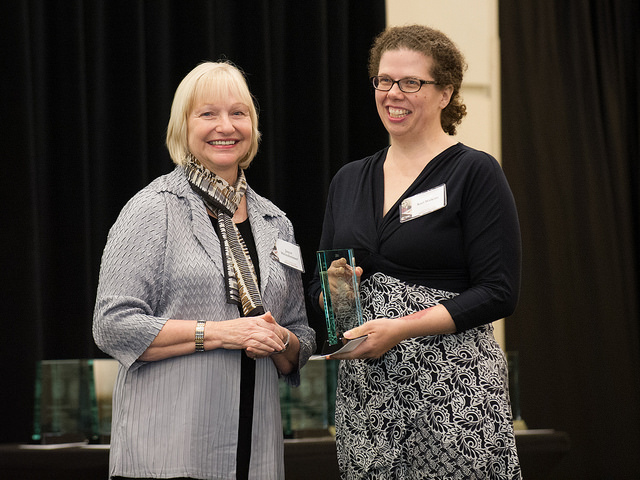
[433,407]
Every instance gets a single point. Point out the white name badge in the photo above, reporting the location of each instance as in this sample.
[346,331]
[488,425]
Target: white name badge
[423,203]
[289,254]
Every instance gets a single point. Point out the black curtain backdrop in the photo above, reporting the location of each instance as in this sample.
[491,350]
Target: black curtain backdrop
[571,133]
[86,90]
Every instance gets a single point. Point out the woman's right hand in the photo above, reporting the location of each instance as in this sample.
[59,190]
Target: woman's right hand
[340,273]
[259,336]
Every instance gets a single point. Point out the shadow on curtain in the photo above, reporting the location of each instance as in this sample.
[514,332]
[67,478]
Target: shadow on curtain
[86,93]
[571,133]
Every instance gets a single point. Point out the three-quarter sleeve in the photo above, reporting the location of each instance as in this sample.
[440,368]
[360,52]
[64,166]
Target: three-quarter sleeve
[131,280]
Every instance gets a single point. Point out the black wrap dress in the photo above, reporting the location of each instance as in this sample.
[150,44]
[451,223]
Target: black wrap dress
[433,406]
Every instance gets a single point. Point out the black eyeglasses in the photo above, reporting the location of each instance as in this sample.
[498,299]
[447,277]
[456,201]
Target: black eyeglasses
[406,85]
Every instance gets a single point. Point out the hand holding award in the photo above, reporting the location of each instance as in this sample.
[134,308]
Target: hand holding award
[341,298]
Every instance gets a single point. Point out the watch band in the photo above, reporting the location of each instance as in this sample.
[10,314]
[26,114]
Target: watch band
[200,324]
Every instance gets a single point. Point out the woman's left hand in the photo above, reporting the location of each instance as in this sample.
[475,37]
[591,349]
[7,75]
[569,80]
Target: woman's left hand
[385,333]
[382,335]
[286,359]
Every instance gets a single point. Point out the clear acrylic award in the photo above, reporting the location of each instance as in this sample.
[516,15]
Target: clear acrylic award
[341,296]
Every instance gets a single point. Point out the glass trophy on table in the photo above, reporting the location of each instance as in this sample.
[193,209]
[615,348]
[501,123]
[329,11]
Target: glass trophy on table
[66,407]
[513,364]
[341,297]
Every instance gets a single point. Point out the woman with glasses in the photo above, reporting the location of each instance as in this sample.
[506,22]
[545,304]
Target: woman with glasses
[436,238]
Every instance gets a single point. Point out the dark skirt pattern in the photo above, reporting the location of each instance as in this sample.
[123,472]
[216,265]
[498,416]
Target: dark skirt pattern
[433,407]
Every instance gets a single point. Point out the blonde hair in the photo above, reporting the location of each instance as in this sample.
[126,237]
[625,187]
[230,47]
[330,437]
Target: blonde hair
[209,78]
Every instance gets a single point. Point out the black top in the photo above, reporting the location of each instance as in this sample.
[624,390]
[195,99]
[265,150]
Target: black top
[471,246]
[247,368]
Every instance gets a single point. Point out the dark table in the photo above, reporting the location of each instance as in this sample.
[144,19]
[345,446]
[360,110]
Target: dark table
[305,459]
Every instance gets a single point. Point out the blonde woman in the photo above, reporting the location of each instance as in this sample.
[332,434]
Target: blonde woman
[193,303]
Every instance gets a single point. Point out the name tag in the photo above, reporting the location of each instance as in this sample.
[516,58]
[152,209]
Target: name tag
[423,203]
[289,254]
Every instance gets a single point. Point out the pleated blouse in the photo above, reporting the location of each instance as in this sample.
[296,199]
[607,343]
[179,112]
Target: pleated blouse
[179,417]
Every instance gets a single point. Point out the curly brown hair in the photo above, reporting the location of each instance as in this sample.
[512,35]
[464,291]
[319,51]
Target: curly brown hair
[448,67]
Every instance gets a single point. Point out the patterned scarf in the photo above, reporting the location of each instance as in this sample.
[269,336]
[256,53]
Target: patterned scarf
[223,200]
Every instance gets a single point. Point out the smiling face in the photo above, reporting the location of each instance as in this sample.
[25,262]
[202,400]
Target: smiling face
[410,115]
[219,132]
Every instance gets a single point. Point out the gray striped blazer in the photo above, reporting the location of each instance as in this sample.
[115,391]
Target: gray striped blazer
[179,417]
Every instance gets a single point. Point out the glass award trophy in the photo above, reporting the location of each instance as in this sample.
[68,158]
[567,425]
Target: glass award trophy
[65,402]
[513,365]
[341,296]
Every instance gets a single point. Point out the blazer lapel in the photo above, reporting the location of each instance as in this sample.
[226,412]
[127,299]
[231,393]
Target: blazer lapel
[204,232]
[264,234]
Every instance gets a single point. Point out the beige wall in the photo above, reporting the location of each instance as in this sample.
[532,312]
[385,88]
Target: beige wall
[473,26]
